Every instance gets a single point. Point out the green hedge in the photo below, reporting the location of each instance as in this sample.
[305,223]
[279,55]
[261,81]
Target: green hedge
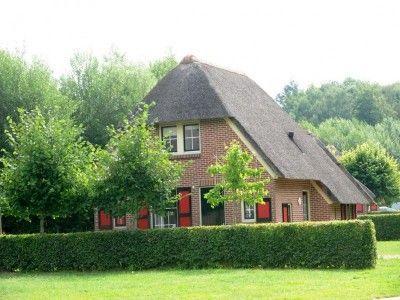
[387,226]
[336,244]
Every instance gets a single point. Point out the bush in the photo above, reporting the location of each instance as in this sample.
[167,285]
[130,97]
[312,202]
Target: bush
[336,244]
[387,225]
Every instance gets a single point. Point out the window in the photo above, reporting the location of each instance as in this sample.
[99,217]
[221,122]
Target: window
[305,200]
[120,222]
[348,211]
[169,136]
[191,138]
[249,212]
[169,220]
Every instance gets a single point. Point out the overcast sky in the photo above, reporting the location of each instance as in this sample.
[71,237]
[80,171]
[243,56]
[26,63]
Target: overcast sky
[273,42]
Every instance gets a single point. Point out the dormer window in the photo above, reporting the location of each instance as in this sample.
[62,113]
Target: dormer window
[191,137]
[170,137]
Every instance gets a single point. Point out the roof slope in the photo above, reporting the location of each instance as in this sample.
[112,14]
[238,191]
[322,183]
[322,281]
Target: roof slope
[195,90]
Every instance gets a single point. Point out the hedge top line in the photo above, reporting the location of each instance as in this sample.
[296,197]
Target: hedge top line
[338,223]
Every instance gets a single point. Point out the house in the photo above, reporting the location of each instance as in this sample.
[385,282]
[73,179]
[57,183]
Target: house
[200,109]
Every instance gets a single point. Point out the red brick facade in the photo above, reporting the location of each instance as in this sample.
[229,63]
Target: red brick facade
[215,135]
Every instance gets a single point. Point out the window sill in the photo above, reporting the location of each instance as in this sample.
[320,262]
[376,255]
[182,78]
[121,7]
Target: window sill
[248,221]
[186,155]
[119,227]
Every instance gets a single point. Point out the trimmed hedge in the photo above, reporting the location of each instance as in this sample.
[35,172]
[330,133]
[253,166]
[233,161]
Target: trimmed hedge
[336,244]
[387,226]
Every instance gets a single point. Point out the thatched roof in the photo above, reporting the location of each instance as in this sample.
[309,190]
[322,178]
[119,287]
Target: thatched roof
[196,90]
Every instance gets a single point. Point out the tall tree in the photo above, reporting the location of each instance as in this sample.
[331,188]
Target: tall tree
[374,167]
[48,169]
[350,99]
[3,208]
[341,133]
[161,67]
[138,170]
[108,90]
[26,86]
[240,181]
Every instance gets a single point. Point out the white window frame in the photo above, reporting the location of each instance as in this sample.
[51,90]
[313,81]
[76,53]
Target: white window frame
[162,226]
[119,227]
[244,220]
[180,137]
[290,210]
[309,204]
[191,137]
[166,137]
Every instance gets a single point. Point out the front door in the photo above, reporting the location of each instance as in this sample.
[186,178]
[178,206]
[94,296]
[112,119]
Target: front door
[286,213]
[209,215]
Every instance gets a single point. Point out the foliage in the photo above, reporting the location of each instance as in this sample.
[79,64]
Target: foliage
[351,99]
[341,133]
[108,90]
[27,86]
[387,134]
[387,226]
[138,170]
[375,168]
[349,244]
[346,134]
[48,171]
[76,222]
[161,67]
[239,180]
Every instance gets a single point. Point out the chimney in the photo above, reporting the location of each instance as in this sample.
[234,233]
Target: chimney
[188,59]
[291,135]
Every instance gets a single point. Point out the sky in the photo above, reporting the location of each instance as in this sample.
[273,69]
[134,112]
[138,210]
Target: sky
[273,42]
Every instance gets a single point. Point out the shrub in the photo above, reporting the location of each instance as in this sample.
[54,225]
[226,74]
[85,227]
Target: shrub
[387,225]
[335,244]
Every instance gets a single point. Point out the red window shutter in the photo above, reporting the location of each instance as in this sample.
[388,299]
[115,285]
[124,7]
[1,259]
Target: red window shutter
[120,221]
[185,208]
[373,207]
[143,221]
[104,220]
[264,211]
[360,208]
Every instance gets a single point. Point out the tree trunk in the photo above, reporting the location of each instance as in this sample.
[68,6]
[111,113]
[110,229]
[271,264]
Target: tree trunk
[1,223]
[41,224]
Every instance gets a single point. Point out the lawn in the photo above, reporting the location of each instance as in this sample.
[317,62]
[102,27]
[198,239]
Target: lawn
[383,281]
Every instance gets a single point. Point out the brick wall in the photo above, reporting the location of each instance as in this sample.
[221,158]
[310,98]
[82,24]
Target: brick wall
[215,136]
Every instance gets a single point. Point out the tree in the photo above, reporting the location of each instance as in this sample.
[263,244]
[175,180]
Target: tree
[239,180]
[341,133]
[161,67]
[374,167]
[106,91]
[48,169]
[3,208]
[350,99]
[138,170]
[387,134]
[27,86]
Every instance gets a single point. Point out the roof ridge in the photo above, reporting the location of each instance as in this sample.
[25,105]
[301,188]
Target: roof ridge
[190,58]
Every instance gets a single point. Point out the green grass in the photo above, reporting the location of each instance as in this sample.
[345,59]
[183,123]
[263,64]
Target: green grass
[389,248]
[383,281]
